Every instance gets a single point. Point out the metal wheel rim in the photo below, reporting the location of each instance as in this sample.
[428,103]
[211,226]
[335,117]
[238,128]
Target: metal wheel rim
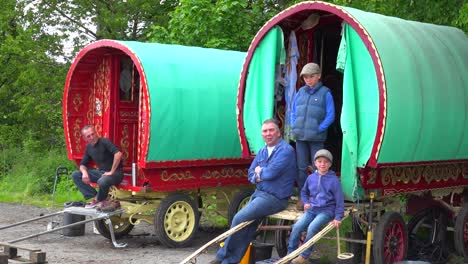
[119,224]
[179,221]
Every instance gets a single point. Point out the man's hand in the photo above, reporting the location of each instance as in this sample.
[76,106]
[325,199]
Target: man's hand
[336,223]
[258,169]
[307,206]
[85,177]
[107,173]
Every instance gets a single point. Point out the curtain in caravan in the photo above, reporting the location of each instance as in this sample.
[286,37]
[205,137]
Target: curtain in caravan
[259,91]
[360,108]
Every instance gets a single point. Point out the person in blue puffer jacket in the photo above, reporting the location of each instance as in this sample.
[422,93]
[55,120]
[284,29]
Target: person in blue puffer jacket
[313,111]
[273,171]
[323,203]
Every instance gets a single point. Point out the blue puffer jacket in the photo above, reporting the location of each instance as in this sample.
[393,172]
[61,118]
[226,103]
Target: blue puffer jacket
[312,113]
[278,171]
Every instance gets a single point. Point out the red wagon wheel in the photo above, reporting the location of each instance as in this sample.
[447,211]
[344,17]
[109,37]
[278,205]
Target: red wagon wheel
[427,232]
[390,243]
[461,232]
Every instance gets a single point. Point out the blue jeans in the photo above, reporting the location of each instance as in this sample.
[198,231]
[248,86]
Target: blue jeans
[312,222]
[305,151]
[261,204]
[96,176]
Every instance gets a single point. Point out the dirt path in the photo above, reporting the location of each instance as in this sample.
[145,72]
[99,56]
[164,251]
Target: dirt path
[143,247]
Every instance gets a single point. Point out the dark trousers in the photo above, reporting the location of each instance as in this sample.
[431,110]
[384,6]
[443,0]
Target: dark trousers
[104,183]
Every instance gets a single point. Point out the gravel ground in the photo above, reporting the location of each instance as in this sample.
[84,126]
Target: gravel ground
[143,247]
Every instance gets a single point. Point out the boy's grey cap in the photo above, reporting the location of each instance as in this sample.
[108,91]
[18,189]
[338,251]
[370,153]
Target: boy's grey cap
[310,69]
[324,153]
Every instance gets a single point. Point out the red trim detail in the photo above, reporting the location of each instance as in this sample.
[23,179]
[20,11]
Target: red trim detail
[195,163]
[416,163]
[340,12]
[144,90]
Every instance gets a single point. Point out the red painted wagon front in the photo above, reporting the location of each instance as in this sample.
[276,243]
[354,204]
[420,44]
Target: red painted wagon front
[172,113]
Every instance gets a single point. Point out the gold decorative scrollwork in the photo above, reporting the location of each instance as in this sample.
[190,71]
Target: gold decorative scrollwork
[124,143]
[387,175]
[98,107]
[465,171]
[77,134]
[77,102]
[430,173]
[372,177]
[225,173]
[129,114]
[176,176]
[399,176]
[415,174]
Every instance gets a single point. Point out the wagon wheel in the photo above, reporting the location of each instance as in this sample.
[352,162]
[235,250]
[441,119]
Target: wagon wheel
[390,239]
[176,220]
[121,226]
[241,198]
[282,238]
[427,232]
[461,232]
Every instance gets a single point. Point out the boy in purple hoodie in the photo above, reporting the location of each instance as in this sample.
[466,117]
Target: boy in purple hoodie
[323,202]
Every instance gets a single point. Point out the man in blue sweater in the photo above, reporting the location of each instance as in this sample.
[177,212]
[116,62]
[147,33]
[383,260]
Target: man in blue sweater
[323,202]
[313,111]
[273,171]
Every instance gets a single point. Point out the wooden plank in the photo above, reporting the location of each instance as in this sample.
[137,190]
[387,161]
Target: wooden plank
[3,258]
[5,244]
[20,261]
[12,252]
[37,257]
[310,242]
[192,258]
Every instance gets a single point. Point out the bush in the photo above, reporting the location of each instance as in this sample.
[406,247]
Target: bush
[30,176]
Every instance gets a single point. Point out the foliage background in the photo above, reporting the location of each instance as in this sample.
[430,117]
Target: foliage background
[39,39]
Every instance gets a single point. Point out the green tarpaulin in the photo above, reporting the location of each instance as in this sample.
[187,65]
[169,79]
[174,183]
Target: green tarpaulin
[192,94]
[258,100]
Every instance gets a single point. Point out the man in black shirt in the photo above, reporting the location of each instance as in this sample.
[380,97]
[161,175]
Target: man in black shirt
[108,160]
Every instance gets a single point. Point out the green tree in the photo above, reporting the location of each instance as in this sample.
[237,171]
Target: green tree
[223,24]
[84,21]
[30,82]
[442,12]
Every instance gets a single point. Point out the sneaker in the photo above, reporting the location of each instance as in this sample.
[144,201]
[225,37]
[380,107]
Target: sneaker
[299,260]
[215,261]
[92,204]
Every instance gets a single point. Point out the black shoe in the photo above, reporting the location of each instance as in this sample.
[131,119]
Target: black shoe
[214,261]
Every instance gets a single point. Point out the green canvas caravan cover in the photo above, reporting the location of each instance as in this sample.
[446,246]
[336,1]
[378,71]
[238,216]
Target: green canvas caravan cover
[405,89]
[187,100]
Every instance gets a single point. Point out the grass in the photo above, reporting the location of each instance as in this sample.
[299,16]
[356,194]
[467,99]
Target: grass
[28,178]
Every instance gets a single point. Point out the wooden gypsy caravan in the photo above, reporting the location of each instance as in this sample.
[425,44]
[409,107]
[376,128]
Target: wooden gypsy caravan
[171,110]
[401,97]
